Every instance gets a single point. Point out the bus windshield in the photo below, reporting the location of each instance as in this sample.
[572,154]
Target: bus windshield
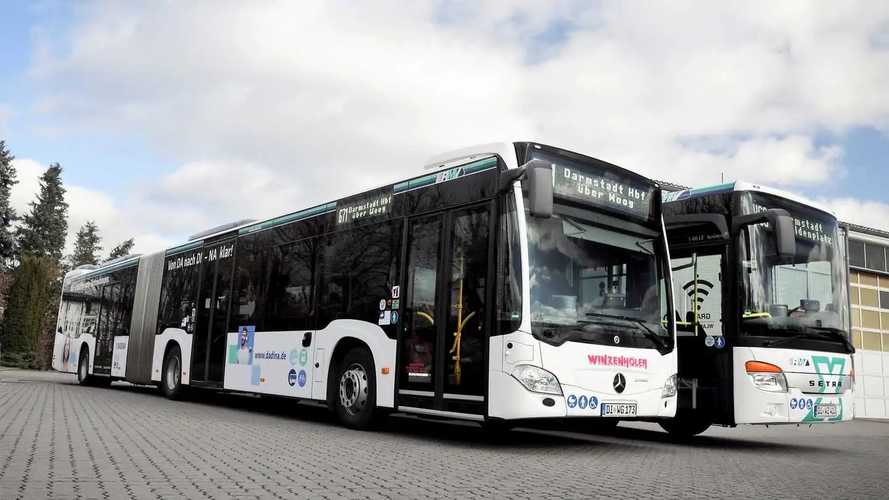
[806,296]
[591,283]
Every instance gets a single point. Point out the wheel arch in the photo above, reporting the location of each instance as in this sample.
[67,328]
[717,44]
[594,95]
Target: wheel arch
[342,335]
[343,346]
[168,347]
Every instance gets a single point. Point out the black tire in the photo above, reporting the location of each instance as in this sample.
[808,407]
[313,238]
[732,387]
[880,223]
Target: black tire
[171,375]
[83,368]
[686,424]
[355,390]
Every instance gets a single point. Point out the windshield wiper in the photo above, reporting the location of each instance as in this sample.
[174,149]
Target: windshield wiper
[816,331]
[646,330]
[832,333]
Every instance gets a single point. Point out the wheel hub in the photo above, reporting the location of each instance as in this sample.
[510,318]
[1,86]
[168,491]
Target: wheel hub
[353,389]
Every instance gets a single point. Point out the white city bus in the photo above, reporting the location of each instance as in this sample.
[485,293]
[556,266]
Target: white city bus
[507,282]
[761,307]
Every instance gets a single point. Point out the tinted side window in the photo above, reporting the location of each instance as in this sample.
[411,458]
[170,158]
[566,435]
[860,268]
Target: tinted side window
[358,269]
[128,285]
[289,301]
[246,288]
[178,290]
[509,269]
[110,296]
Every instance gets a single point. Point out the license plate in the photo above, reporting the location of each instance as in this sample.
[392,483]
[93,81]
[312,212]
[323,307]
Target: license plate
[826,410]
[618,409]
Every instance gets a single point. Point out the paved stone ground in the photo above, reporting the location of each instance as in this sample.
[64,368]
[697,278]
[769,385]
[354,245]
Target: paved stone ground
[60,440]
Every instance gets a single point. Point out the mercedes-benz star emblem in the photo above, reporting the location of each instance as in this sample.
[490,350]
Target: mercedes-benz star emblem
[620,383]
[616,339]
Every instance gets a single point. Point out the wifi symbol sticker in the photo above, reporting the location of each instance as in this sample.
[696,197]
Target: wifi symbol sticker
[700,293]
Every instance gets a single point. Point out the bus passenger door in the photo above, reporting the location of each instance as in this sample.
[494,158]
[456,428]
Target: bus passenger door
[208,343]
[104,333]
[443,343]
[704,353]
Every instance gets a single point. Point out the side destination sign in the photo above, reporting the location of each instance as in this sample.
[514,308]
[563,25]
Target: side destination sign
[377,204]
[619,194]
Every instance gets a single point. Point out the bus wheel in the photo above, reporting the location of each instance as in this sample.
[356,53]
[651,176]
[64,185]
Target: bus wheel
[83,368]
[686,425]
[356,395]
[171,379]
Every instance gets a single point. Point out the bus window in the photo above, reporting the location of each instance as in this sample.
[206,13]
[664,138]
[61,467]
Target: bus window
[509,270]
[418,344]
[246,289]
[178,289]
[289,301]
[466,318]
[358,268]
[698,289]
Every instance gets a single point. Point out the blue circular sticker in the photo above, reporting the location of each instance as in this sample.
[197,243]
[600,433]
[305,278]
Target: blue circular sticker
[793,404]
[291,377]
[594,402]
[294,357]
[582,402]
[572,401]
[301,379]
[808,404]
[720,342]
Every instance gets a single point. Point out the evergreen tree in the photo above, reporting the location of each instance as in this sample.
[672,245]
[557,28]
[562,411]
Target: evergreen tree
[7,213]
[44,228]
[29,318]
[86,245]
[122,249]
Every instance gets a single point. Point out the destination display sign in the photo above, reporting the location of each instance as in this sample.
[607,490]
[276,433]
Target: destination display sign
[624,195]
[808,229]
[375,205]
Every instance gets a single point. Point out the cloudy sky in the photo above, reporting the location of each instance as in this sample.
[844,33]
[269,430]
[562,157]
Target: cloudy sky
[170,117]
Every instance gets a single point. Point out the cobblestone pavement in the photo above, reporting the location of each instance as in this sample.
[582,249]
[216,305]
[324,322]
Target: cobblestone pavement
[60,440]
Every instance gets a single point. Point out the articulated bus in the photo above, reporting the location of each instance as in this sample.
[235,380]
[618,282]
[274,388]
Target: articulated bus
[762,309]
[508,282]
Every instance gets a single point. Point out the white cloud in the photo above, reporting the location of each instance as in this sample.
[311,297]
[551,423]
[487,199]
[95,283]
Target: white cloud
[862,212]
[792,160]
[273,106]
[84,204]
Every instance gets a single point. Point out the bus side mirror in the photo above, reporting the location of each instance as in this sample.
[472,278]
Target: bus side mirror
[785,233]
[540,188]
[783,226]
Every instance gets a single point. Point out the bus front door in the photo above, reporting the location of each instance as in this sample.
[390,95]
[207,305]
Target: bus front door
[443,338]
[208,343]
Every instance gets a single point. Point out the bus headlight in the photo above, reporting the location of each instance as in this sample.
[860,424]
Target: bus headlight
[536,379]
[766,376]
[669,387]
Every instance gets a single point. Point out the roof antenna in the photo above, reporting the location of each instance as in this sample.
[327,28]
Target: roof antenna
[722,177]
